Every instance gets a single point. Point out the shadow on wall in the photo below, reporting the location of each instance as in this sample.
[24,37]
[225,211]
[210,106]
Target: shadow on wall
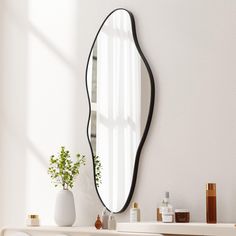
[36,116]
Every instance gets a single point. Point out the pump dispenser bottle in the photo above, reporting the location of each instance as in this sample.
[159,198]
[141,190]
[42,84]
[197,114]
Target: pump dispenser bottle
[211,216]
[134,213]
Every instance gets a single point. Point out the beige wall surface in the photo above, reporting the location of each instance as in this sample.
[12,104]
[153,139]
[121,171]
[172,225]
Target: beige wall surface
[191,48]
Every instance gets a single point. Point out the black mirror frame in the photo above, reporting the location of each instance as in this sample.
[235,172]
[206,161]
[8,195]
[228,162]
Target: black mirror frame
[150,113]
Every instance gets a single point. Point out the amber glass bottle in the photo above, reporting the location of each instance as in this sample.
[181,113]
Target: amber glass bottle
[211,216]
[98,223]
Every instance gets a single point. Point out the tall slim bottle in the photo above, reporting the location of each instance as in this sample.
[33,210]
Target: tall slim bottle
[211,215]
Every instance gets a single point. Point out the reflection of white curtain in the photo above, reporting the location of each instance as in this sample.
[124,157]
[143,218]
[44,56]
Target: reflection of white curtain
[118,107]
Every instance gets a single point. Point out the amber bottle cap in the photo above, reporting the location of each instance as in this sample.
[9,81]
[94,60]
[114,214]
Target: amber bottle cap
[211,186]
[135,205]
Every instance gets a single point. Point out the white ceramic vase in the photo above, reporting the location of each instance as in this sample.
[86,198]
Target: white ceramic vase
[65,208]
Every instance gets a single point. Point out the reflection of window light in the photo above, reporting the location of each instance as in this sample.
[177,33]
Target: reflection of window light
[116,156]
[118,106]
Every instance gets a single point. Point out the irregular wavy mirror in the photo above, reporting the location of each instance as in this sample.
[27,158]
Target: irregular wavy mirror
[120,88]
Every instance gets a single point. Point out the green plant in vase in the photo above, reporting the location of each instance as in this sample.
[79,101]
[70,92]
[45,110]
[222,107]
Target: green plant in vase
[63,172]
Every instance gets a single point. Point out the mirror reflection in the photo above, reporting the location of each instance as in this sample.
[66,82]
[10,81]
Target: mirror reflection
[119,91]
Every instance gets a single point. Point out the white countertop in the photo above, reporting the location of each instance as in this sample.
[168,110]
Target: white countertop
[55,230]
[130,229]
[178,228]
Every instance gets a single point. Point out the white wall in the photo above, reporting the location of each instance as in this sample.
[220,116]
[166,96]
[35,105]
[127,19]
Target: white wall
[43,106]
[191,49]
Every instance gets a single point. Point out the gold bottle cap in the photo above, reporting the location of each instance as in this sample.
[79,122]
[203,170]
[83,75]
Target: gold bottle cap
[33,216]
[135,205]
[211,186]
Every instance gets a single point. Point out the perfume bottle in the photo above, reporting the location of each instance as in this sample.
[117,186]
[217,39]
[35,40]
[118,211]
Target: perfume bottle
[166,209]
[211,213]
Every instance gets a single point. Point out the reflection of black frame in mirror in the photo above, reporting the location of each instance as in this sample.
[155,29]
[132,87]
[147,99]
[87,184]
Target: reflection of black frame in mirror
[149,117]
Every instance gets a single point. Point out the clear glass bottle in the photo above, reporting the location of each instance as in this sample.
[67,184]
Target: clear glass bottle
[167,209]
[111,222]
[134,213]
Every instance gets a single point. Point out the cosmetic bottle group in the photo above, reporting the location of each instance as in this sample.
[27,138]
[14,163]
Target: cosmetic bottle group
[106,221]
[165,212]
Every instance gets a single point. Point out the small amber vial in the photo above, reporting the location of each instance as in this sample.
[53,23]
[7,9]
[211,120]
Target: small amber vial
[98,223]
[159,215]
